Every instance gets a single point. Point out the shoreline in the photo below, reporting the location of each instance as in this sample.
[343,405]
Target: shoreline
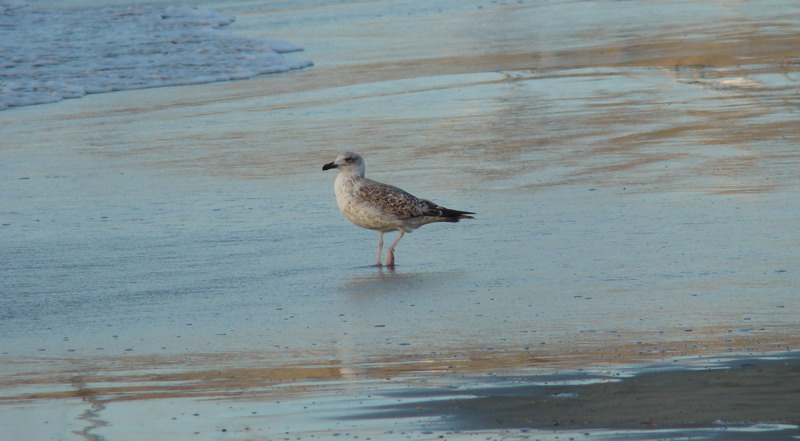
[700,396]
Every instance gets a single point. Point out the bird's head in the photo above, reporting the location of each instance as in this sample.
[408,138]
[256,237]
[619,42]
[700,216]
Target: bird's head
[347,162]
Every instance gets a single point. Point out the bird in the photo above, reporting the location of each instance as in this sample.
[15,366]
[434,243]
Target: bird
[383,207]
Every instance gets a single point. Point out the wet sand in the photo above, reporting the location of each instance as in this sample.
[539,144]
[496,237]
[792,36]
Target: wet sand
[740,393]
[174,264]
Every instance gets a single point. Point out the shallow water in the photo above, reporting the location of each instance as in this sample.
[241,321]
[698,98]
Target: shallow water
[634,181]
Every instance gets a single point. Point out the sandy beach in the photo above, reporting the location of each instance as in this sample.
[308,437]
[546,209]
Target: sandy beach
[174,265]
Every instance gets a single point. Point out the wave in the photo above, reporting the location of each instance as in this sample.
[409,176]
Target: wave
[48,56]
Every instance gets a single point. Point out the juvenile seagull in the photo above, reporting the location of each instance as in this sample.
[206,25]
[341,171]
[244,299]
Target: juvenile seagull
[381,207]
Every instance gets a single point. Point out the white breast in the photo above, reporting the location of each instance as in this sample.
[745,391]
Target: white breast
[359,211]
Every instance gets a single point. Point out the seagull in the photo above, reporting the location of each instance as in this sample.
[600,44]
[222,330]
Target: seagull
[382,207]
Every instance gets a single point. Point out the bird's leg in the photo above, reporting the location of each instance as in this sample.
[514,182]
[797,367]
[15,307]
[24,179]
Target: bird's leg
[390,251]
[380,247]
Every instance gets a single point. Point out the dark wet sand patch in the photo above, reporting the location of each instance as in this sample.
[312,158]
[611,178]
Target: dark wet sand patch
[742,392]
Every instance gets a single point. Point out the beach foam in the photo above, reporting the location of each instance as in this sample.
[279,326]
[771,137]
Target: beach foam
[48,56]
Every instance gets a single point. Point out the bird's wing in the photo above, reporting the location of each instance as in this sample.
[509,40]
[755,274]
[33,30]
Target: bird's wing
[396,201]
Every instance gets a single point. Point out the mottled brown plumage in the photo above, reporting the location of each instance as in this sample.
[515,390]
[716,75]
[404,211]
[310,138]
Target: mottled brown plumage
[401,203]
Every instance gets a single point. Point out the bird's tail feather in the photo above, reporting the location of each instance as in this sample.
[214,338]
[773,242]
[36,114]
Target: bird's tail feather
[455,215]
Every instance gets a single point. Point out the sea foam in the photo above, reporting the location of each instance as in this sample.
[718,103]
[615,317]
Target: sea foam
[47,56]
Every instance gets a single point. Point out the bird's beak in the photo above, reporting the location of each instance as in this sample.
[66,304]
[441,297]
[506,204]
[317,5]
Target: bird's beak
[329,166]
